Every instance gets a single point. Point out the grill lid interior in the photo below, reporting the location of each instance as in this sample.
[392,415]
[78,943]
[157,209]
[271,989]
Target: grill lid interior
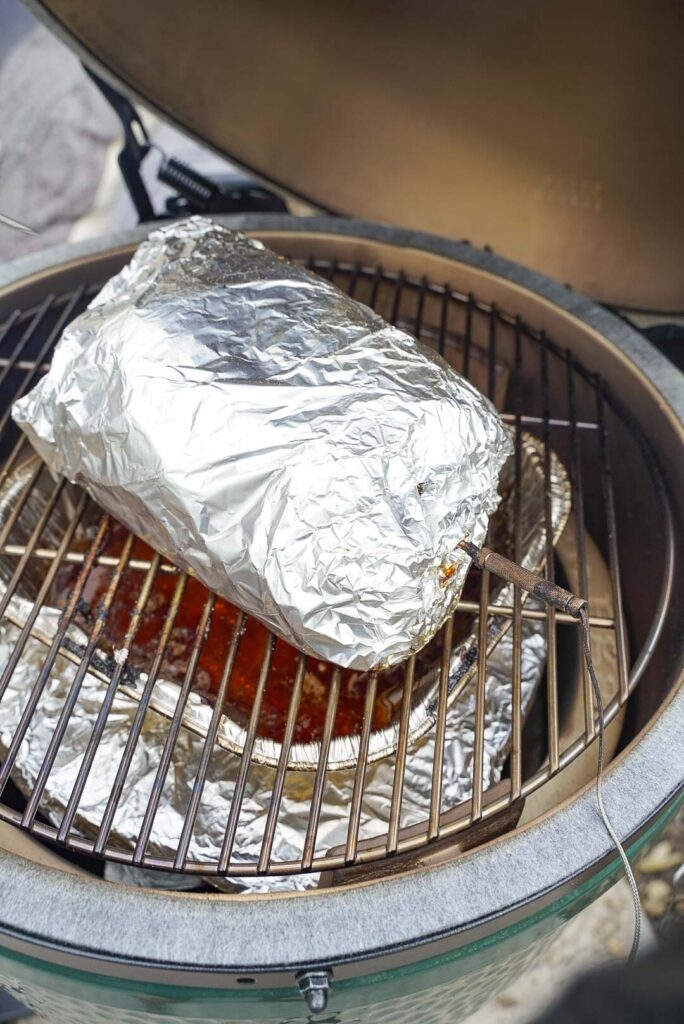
[543,130]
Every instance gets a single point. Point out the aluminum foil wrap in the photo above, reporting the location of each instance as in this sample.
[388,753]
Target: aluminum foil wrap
[305,460]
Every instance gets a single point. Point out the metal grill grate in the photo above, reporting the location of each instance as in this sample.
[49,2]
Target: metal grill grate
[565,407]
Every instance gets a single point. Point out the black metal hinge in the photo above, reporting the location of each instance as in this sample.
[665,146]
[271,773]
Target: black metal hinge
[195,192]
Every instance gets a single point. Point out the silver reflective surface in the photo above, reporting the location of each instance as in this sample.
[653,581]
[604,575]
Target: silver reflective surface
[307,461]
[211,821]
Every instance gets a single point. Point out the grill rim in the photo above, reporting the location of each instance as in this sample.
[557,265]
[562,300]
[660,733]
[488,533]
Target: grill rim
[162,910]
[301,928]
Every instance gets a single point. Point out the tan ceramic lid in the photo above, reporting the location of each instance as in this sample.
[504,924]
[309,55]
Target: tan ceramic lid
[550,130]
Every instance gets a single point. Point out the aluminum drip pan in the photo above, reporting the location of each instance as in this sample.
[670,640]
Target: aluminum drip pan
[343,752]
[344,749]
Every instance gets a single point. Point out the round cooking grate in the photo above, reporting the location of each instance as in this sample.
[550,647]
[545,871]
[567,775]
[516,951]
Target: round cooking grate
[545,395]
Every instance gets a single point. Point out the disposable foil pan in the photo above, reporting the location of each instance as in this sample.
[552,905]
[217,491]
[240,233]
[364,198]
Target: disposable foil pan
[224,766]
[223,770]
[344,749]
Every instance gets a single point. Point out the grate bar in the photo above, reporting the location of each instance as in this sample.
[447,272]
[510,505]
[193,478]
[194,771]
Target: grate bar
[330,270]
[375,287]
[208,747]
[468,335]
[246,757]
[478,752]
[279,782]
[400,763]
[613,553]
[440,729]
[77,558]
[577,485]
[319,783]
[24,364]
[549,572]
[5,328]
[539,421]
[353,279]
[174,728]
[491,355]
[360,771]
[396,303]
[507,611]
[418,324]
[444,320]
[516,681]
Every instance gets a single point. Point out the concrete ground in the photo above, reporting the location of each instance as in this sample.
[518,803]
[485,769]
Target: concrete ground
[58,173]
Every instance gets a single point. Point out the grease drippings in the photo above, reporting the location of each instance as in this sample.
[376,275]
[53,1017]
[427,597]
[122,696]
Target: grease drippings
[243,683]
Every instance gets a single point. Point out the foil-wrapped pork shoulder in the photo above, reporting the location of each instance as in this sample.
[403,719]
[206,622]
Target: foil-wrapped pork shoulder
[304,459]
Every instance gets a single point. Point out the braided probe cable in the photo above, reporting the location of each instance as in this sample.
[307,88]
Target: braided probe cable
[577,607]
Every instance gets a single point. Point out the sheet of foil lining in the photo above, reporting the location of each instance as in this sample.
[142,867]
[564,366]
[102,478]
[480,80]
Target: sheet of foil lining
[211,821]
[307,461]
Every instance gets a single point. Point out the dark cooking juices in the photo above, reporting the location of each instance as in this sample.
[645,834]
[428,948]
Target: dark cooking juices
[244,679]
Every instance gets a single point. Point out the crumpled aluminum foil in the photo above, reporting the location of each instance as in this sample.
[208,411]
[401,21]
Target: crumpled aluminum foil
[307,461]
[211,822]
